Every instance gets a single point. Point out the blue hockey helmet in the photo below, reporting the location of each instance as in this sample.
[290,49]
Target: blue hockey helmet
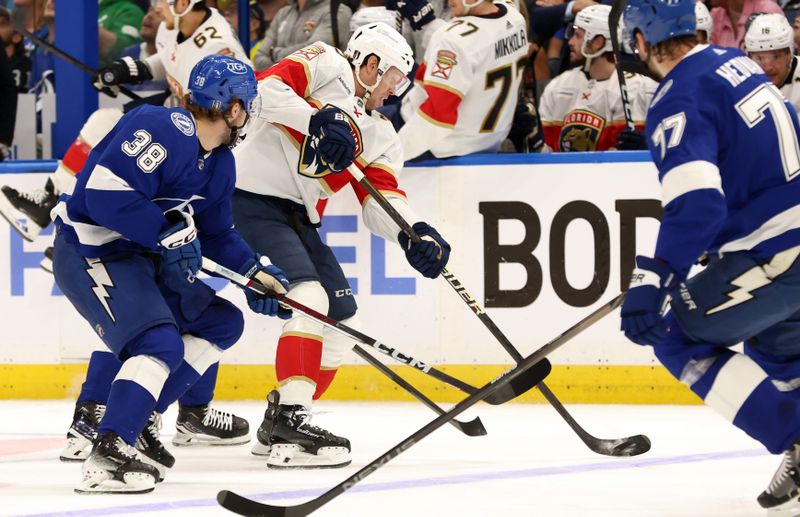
[216,80]
[659,20]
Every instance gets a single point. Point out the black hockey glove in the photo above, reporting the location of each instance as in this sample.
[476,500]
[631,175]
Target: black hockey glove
[631,140]
[524,133]
[430,255]
[418,12]
[122,71]
[336,145]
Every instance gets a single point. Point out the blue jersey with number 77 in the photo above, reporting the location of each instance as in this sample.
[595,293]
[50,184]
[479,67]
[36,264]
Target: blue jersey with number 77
[725,142]
[152,162]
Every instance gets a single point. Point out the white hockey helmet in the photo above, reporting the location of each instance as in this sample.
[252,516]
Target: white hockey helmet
[704,22]
[768,32]
[390,47]
[594,21]
[177,16]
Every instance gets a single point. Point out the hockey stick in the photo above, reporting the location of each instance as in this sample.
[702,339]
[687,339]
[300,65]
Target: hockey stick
[630,446]
[613,25]
[513,390]
[335,22]
[538,360]
[69,59]
[470,428]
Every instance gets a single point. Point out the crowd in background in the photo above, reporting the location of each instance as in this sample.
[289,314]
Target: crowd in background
[280,27]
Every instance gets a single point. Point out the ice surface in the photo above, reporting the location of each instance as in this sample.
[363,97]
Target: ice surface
[530,464]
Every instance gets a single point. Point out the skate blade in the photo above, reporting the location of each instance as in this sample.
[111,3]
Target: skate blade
[77,449]
[788,509]
[19,221]
[203,440]
[259,449]
[290,456]
[134,483]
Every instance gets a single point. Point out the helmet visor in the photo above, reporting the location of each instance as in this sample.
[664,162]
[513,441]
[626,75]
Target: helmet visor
[395,80]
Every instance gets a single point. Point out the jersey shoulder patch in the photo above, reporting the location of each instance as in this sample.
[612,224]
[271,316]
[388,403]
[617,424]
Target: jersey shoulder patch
[184,124]
[310,52]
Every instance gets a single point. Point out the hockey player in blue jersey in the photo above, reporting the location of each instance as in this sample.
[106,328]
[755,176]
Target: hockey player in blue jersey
[725,142]
[128,247]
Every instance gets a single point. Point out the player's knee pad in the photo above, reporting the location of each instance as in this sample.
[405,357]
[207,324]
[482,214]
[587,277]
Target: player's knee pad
[199,353]
[336,345]
[99,124]
[313,295]
[162,343]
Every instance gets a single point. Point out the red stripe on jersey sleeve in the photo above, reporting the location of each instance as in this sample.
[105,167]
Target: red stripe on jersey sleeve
[441,106]
[419,75]
[382,179]
[552,134]
[291,72]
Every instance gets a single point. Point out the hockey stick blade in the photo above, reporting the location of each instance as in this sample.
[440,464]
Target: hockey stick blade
[630,446]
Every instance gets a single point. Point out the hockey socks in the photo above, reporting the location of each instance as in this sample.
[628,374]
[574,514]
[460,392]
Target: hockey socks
[201,393]
[133,397]
[199,356]
[297,366]
[103,367]
[324,381]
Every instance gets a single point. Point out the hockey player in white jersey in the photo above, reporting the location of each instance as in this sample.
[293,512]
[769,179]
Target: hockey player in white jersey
[466,88]
[769,41]
[317,118]
[581,109]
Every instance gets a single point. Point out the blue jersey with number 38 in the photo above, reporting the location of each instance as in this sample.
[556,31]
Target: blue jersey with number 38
[725,142]
[152,162]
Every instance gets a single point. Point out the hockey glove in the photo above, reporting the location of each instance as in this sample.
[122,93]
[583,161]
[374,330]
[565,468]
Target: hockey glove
[418,12]
[631,140]
[429,256]
[336,145]
[647,301]
[181,257]
[122,71]
[271,277]
[524,133]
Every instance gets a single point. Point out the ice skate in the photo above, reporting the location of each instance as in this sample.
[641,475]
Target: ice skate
[290,442]
[83,431]
[47,260]
[113,468]
[782,496]
[205,425]
[28,213]
[151,449]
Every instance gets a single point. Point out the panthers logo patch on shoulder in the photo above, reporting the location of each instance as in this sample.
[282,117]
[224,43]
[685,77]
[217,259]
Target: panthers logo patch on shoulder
[310,52]
[183,123]
[310,164]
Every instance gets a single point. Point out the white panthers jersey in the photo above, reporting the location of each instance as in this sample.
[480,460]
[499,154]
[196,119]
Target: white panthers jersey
[465,92]
[175,57]
[276,157]
[582,114]
[791,87]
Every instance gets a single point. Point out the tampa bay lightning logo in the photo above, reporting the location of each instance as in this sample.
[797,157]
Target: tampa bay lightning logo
[183,123]
[311,164]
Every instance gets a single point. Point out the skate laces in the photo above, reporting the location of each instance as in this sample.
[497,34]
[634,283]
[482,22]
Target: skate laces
[99,411]
[154,426]
[37,197]
[784,471]
[218,419]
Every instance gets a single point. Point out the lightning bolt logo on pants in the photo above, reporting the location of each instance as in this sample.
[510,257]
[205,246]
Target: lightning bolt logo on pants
[97,271]
[748,281]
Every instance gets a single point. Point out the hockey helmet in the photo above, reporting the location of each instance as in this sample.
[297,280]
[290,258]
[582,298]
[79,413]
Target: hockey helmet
[659,20]
[594,22]
[171,5]
[389,46]
[216,80]
[704,22]
[769,32]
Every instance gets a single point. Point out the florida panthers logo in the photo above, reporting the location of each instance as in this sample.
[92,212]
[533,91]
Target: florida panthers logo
[581,131]
[310,164]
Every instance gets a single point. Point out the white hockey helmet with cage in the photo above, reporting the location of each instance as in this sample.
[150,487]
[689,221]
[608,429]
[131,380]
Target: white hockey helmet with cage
[389,46]
[768,32]
[704,22]
[177,16]
[594,22]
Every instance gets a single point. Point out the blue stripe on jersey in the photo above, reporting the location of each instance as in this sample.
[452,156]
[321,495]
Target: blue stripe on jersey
[717,109]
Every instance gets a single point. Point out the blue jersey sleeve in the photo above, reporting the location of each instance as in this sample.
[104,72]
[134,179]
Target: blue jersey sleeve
[683,132]
[219,239]
[147,154]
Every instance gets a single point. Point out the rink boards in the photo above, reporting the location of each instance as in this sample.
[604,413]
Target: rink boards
[539,241]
